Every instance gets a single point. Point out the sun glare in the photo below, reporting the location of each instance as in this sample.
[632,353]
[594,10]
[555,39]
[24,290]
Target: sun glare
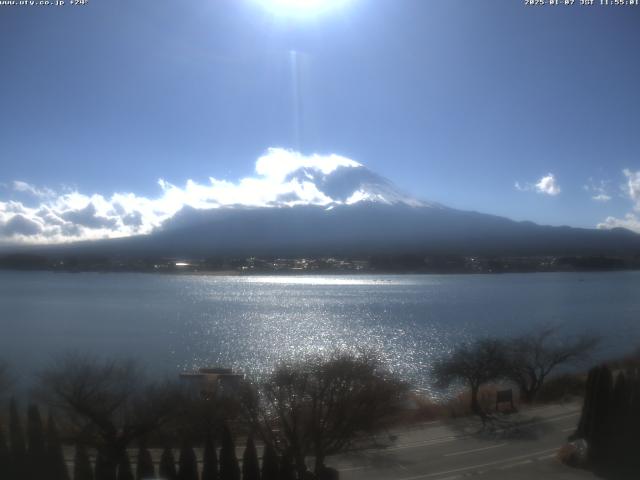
[301,8]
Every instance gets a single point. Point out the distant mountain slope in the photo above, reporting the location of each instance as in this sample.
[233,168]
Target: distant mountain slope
[348,210]
[365,228]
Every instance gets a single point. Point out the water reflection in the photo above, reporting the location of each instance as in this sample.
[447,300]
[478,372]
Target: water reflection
[252,323]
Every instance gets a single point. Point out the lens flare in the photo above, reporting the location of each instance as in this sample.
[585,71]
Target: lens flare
[301,8]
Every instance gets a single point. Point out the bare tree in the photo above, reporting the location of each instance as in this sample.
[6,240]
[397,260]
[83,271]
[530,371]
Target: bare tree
[474,364]
[324,406]
[109,401]
[532,357]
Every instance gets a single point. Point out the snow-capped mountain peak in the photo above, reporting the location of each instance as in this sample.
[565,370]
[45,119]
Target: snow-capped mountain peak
[347,185]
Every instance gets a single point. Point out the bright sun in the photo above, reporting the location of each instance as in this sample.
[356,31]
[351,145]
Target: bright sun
[301,8]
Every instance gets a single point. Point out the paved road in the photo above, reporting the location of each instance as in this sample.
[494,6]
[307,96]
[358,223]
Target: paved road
[520,446]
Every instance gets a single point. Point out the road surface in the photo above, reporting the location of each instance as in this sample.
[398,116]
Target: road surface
[518,446]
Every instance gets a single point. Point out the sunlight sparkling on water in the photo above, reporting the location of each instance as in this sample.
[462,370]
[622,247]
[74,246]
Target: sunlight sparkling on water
[265,320]
[182,322]
[320,280]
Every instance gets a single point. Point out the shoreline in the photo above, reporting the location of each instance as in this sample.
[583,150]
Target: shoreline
[311,273]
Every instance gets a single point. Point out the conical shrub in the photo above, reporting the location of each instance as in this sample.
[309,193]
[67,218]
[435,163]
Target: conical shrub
[584,424]
[56,465]
[36,449]
[187,463]
[18,449]
[4,456]
[124,468]
[633,426]
[229,468]
[82,464]
[250,465]
[145,468]
[167,468]
[286,468]
[610,420]
[210,460]
[620,446]
[599,429]
[104,469]
[269,463]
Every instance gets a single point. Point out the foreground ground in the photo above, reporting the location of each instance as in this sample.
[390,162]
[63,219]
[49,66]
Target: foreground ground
[519,446]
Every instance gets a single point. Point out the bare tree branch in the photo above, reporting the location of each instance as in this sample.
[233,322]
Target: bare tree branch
[324,406]
[109,400]
[532,357]
[474,364]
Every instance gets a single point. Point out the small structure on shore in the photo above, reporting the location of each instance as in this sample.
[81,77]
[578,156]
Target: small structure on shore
[213,381]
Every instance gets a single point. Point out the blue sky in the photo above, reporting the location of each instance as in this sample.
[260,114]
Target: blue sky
[455,101]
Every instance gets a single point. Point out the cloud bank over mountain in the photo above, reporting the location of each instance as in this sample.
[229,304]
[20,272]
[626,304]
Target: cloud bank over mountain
[32,214]
[283,179]
[632,191]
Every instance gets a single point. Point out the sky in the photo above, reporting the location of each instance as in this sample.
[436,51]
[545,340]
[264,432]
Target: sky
[117,113]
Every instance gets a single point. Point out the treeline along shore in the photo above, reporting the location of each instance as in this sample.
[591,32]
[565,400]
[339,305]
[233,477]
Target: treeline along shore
[105,417]
[406,263]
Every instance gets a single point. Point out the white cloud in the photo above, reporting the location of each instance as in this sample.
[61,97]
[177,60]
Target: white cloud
[278,163]
[630,221]
[283,178]
[24,187]
[633,186]
[598,190]
[20,225]
[521,188]
[632,192]
[547,185]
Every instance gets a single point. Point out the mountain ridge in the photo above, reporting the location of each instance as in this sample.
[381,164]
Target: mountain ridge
[354,230]
[345,209]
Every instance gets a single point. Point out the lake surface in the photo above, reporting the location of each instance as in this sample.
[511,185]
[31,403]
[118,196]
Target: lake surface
[181,322]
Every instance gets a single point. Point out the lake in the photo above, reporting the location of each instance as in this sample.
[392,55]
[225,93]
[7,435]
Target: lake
[181,322]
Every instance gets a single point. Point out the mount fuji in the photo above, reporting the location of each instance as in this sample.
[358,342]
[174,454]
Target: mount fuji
[352,211]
